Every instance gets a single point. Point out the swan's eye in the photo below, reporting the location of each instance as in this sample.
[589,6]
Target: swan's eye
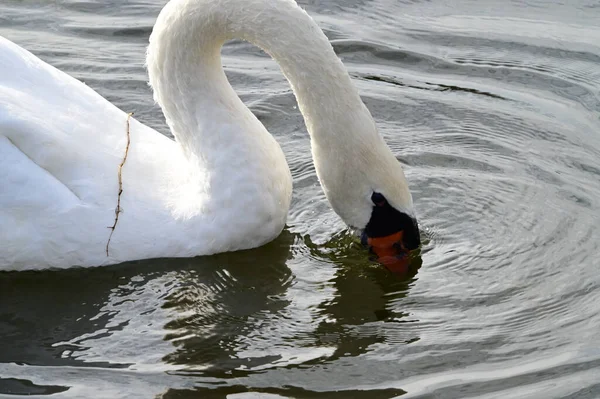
[378,199]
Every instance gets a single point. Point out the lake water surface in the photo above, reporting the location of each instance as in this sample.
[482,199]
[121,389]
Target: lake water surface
[492,105]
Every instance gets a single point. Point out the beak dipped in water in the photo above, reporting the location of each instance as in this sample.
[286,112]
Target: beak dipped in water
[390,234]
[393,250]
[389,251]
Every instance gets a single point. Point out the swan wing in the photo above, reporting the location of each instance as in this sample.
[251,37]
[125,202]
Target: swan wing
[61,145]
[67,134]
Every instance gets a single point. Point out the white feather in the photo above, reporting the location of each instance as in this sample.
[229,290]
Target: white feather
[222,185]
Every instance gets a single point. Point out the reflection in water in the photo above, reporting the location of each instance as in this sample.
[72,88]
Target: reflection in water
[254,314]
[362,300]
[224,300]
[43,308]
[242,392]
[493,108]
[224,316]
[363,294]
[134,301]
[251,312]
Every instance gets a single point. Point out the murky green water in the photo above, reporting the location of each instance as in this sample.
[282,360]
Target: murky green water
[494,107]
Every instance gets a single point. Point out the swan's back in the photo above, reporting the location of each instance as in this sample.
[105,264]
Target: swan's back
[56,122]
[60,147]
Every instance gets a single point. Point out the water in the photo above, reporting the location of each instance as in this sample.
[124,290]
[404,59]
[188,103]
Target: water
[494,108]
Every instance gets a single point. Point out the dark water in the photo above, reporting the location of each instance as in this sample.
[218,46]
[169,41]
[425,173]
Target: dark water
[494,108]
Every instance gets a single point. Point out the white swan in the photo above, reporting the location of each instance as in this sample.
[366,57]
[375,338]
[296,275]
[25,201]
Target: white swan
[222,185]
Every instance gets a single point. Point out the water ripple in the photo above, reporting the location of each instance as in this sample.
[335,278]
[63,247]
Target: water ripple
[492,108]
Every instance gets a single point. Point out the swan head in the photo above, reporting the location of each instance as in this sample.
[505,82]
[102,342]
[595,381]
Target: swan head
[390,233]
[366,187]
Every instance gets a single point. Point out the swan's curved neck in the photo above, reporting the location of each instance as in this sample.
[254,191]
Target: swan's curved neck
[185,70]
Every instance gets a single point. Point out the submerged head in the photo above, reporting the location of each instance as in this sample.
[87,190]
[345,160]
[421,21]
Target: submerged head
[390,233]
[366,186]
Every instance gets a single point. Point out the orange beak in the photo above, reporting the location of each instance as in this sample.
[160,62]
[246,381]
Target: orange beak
[390,251]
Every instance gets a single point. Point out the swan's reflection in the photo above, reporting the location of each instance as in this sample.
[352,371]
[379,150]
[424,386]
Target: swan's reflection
[224,301]
[288,304]
[333,305]
[253,313]
[39,309]
[365,295]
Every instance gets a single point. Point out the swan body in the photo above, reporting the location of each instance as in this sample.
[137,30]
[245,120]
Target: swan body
[222,185]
